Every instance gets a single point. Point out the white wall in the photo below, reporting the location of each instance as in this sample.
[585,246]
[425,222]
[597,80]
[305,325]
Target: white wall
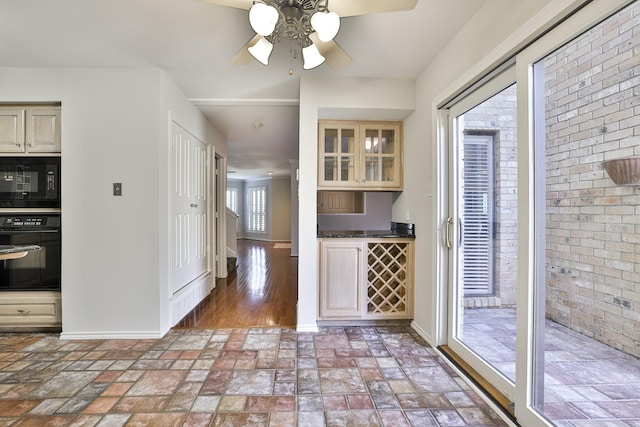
[340,98]
[294,207]
[281,209]
[446,72]
[114,249]
[376,216]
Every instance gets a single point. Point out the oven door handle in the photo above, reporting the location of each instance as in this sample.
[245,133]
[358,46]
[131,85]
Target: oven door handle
[27,231]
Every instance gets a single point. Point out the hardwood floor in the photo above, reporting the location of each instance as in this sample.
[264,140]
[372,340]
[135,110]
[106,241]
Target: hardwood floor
[262,292]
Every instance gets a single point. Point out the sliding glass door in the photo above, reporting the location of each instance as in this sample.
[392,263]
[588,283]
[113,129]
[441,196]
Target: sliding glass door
[482,231]
[584,314]
[542,228]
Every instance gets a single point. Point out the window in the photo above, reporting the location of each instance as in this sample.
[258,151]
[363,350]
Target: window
[232,199]
[477,213]
[257,210]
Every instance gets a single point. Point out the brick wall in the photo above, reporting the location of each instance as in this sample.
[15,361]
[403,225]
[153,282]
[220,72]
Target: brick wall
[497,116]
[593,226]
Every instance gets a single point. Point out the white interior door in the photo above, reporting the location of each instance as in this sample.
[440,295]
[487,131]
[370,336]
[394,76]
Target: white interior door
[190,224]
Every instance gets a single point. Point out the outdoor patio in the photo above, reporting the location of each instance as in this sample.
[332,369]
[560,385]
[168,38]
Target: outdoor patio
[587,383]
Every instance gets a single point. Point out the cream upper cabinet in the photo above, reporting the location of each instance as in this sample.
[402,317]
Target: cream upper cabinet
[339,164]
[360,155]
[11,130]
[30,129]
[42,130]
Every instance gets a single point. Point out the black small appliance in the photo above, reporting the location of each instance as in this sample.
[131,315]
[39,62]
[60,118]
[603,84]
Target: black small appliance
[29,182]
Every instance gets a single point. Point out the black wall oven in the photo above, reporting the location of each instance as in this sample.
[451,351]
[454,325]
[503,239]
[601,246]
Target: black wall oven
[38,270]
[30,182]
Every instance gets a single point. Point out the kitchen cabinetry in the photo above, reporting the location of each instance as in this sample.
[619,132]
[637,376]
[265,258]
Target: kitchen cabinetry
[341,275]
[33,129]
[340,202]
[40,309]
[366,279]
[360,156]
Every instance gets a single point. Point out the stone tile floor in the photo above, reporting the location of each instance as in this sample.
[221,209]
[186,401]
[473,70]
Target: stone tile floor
[235,377]
[586,384]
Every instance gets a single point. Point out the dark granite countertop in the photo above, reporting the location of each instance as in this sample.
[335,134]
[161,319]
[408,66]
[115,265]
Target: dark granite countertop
[363,234]
[397,230]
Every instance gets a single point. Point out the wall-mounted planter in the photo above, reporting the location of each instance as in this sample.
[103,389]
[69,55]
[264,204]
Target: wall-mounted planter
[625,171]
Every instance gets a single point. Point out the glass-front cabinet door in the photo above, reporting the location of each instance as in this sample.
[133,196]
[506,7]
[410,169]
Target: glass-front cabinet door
[381,154]
[359,155]
[338,155]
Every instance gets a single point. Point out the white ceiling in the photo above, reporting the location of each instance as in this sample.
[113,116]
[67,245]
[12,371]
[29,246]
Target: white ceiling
[193,42]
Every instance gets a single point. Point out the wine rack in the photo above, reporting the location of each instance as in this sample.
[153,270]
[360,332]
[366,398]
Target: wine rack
[388,284]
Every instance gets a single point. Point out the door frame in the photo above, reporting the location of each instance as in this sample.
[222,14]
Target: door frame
[220,217]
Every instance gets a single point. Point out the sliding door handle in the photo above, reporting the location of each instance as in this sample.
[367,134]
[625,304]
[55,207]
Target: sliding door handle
[449,222]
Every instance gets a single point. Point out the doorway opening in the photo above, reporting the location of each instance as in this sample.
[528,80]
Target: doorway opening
[263,292]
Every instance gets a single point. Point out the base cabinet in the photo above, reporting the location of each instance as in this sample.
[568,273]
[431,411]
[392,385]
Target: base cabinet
[341,273]
[388,288]
[366,279]
[30,310]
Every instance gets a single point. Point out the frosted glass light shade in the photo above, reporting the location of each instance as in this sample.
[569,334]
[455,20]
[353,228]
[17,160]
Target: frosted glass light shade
[311,57]
[261,50]
[326,25]
[263,18]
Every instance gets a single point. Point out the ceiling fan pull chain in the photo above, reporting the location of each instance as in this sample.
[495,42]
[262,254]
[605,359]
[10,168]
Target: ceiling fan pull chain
[292,52]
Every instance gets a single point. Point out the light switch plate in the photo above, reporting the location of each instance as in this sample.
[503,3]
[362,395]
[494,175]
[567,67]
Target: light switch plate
[117,189]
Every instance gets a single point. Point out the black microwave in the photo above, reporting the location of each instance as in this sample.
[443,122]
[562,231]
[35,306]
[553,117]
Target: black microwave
[29,182]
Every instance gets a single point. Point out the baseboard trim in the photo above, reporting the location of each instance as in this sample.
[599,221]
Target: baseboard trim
[258,239]
[363,323]
[187,298]
[111,335]
[421,332]
[312,327]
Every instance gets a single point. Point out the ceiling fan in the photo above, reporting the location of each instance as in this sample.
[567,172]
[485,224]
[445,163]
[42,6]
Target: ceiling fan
[310,24]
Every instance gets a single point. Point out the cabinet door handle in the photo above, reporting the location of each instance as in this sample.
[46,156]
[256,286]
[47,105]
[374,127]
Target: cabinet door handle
[24,311]
[194,205]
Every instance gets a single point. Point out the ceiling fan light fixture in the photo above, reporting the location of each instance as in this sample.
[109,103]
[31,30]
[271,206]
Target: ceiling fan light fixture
[326,25]
[261,50]
[263,18]
[311,57]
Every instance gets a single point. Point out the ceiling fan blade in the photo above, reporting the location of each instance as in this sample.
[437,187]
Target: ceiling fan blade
[335,56]
[243,56]
[238,4]
[346,8]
